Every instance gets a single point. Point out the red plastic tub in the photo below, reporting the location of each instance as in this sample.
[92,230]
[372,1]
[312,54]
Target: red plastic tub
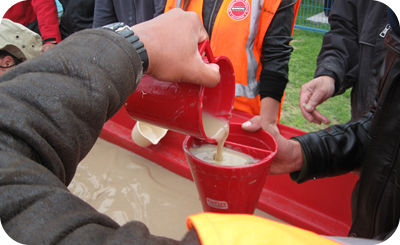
[321,206]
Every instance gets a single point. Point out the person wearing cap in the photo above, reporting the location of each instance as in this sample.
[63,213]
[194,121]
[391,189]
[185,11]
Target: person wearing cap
[17,44]
[40,16]
[53,109]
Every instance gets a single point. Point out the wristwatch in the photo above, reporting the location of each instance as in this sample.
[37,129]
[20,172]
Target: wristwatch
[127,33]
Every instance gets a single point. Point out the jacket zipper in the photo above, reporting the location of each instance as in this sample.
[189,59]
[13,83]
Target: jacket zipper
[384,31]
[211,16]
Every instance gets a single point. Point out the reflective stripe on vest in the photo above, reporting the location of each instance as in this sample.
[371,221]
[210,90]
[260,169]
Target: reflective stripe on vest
[238,32]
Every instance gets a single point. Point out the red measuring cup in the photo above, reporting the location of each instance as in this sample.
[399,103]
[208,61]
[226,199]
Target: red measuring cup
[179,106]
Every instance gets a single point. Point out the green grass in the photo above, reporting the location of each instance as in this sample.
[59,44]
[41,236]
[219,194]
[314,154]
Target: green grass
[301,70]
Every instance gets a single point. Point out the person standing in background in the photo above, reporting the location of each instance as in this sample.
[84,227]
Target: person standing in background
[351,56]
[370,144]
[53,109]
[255,36]
[77,15]
[39,16]
[17,44]
[130,12]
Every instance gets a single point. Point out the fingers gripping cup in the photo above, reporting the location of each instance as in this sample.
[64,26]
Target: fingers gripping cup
[180,106]
[232,189]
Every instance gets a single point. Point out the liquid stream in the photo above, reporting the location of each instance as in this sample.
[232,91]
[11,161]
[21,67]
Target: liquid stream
[219,130]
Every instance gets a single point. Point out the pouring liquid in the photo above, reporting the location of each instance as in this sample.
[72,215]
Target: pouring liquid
[219,130]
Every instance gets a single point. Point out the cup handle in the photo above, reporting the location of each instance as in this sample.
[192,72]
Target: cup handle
[205,47]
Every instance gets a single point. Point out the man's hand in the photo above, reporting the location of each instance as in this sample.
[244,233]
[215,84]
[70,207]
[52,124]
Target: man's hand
[171,41]
[289,157]
[47,46]
[314,93]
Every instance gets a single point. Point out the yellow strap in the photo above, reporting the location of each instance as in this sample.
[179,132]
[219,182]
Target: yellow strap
[243,229]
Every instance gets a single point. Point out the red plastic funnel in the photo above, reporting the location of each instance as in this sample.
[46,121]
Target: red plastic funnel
[226,189]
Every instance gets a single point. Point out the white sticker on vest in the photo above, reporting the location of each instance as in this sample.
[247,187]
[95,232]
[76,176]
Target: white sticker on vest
[238,9]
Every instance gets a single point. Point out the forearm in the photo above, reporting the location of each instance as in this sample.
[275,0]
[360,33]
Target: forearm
[65,96]
[53,109]
[340,47]
[276,52]
[47,17]
[333,151]
[269,110]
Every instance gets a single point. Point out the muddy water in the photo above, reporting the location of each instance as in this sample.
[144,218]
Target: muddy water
[229,157]
[128,187]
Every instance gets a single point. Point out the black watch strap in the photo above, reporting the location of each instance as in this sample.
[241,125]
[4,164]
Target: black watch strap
[127,33]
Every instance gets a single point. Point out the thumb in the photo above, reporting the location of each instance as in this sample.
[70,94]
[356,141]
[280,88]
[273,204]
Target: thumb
[308,107]
[317,98]
[209,75]
[253,124]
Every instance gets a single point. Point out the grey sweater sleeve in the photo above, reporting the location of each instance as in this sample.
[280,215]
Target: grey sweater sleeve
[52,110]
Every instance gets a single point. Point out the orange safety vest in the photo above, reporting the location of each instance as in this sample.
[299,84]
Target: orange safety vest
[240,229]
[238,34]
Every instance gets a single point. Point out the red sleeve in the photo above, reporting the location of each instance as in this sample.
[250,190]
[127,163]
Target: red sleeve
[47,17]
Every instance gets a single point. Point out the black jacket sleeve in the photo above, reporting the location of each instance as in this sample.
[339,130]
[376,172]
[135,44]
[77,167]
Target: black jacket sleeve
[52,110]
[334,151]
[276,52]
[340,50]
